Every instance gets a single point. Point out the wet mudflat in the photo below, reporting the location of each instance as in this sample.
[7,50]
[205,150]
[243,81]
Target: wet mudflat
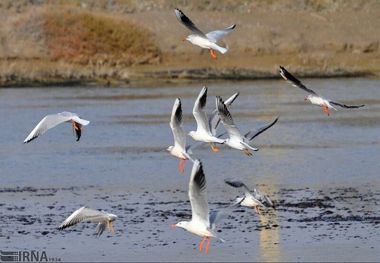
[322,172]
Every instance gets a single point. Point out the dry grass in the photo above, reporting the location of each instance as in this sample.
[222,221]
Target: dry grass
[88,38]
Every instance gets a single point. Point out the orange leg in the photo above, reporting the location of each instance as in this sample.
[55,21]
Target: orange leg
[202,243]
[212,53]
[214,148]
[181,166]
[208,244]
[326,110]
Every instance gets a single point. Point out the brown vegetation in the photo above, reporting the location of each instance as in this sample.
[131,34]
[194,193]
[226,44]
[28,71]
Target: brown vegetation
[124,40]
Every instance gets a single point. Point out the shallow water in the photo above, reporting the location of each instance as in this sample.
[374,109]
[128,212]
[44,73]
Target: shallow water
[322,172]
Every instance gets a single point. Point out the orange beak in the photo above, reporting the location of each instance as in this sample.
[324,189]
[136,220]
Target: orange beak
[183,39]
[173,226]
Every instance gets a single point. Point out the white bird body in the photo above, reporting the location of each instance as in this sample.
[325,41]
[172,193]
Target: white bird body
[196,228]
[200,223]
[313,97]
[204,136]
[104,219]
[205,43]
[203,132]
[179,149]
[249,200]
[52,120]
[198,38]
[319,101]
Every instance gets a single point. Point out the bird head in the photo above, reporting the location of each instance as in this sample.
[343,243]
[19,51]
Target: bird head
[182,224]
[112,217]
[308,97]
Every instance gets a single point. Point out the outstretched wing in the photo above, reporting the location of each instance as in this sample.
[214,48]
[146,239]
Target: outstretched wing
[187,22]
[346,106]
[215,119]
[199,112]
[294,81]
[227,120]
[215,36]
[252,134]
[84,214]
[176,125]
[198,195]
[48,122]
[236,184]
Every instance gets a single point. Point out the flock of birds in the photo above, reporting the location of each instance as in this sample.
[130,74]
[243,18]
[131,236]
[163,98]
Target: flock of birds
[202,222]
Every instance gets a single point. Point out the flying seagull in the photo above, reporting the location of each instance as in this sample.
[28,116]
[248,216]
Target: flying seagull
[198,38]
[236,140]
[104,219]
[202,222]
[313,97]
[50,121]
[253,199]
[179,149]
[203,132]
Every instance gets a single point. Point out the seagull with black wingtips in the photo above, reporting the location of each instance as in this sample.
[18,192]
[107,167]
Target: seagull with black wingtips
[52,120]
[236,140]
[198,38]
[313,97]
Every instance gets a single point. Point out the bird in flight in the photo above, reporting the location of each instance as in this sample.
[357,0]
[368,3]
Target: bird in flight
[50,121]
[253,199]
[202,222]
[313,97]
[236,140]
[208,41]
[179,149]
[105,220]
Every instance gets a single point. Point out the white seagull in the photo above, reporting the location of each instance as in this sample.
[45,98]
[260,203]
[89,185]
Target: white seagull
[198,38]
[104,219]
[253,199]
[313,97]
[236,140]
[179,149]
[203,132]
[202,223]
[50,121]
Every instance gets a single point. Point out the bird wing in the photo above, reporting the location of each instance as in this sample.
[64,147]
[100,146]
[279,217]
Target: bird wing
[227,120]
[198,195]
[252,134]
[294,81]
[215,119]
[199,113]
[176,125]
[187,22]
[84,214]
[237,184]
[219,215]
[262,197]
[48,122]
[346,106]
[215,36]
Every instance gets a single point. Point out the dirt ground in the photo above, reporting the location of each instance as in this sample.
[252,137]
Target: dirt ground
[312,38]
